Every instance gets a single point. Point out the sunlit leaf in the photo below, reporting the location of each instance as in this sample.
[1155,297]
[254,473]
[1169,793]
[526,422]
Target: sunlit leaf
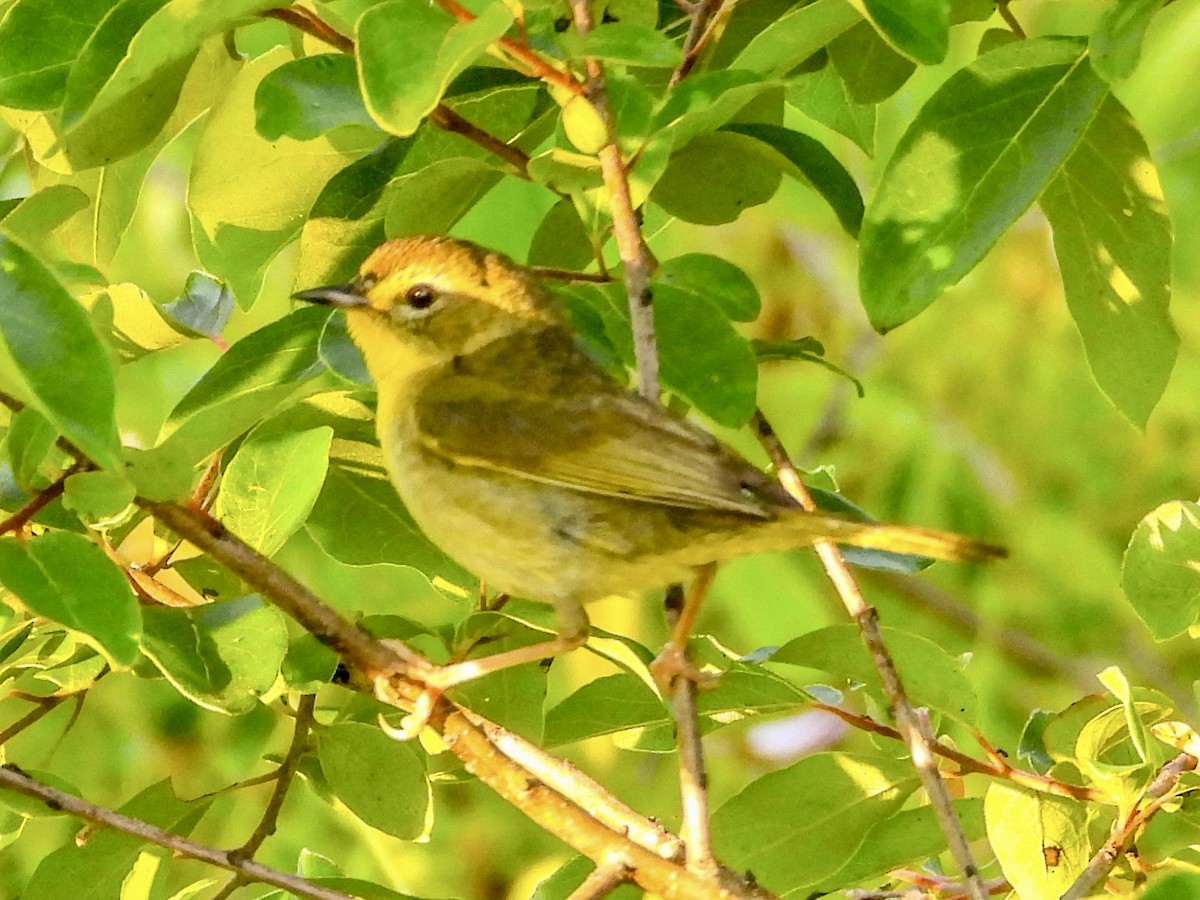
[382,781]
[51,358]
[222,656]
[1161,571]
[1040,840]
[798,806]
[67,578]
[271,484]
[978,154]
[409,52]
[931,677]
[1112,237]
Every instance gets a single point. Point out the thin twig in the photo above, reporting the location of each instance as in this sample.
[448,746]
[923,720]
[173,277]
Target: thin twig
[310,23]
[602,881]
[867,619]
[635,255]
[40,501]
[1156,794]
[284,777]
[521,52]
[639,264]
[555,274]
[14,779]
[45,705]
[448,120]
[1009,19]
[694,43]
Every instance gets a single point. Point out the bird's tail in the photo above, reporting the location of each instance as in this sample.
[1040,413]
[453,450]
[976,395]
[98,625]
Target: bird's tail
[892,538]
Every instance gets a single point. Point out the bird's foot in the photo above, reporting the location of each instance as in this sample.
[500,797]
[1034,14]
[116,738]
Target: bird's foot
[672,663]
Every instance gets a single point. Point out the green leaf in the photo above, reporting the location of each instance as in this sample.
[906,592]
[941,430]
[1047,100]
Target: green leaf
[1115,46]
[716,280]
[42,40]
[871,70]
[1112,237]
[98,498]
[359,520]
[1175,886]
[409,52]
[703,359]
[566,172]
[823,97]
[240,223]
[1031,747]
[729,165]
[29,441]
[203,308]
[827,800]
[979,153]
[99,866]
[309,665]
[703,103]
[807,160]
[561,241]
[1022,825]
[67,578]
[339,352]
[281,353]
[222,656]
[930,676]
[1161,570]
[920,29]
[1118,685]
[805,349]
[108,116]
[36,216]
[605,705]
[51,358]
[306,97]
[907,838]
[795,36]
[637,45]
[380,780]
[262,373]
[433,199]
[270,486]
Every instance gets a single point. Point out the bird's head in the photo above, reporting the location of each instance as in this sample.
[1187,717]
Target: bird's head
[422,301]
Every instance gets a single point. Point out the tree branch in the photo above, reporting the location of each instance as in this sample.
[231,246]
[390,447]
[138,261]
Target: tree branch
[639,263]
[13,778]
[1125,830]
[867,619]
[469,736]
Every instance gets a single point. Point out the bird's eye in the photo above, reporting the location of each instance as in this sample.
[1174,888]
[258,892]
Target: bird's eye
[420,296]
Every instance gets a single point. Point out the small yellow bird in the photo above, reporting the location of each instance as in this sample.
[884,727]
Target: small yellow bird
[534,469]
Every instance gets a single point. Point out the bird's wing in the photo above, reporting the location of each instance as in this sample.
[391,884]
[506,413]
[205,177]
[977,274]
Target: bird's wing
[559,419]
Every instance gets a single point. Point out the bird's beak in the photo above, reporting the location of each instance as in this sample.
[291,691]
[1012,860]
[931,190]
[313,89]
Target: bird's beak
[341,296]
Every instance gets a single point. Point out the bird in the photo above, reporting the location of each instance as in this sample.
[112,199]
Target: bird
[540,473]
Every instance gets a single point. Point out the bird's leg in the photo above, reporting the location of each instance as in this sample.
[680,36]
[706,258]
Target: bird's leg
[573,630]
[672,661]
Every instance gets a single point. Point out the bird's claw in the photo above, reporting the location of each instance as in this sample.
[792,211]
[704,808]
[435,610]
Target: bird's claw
[672,663]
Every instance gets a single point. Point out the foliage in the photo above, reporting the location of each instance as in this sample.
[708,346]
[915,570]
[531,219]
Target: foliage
[146,359]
